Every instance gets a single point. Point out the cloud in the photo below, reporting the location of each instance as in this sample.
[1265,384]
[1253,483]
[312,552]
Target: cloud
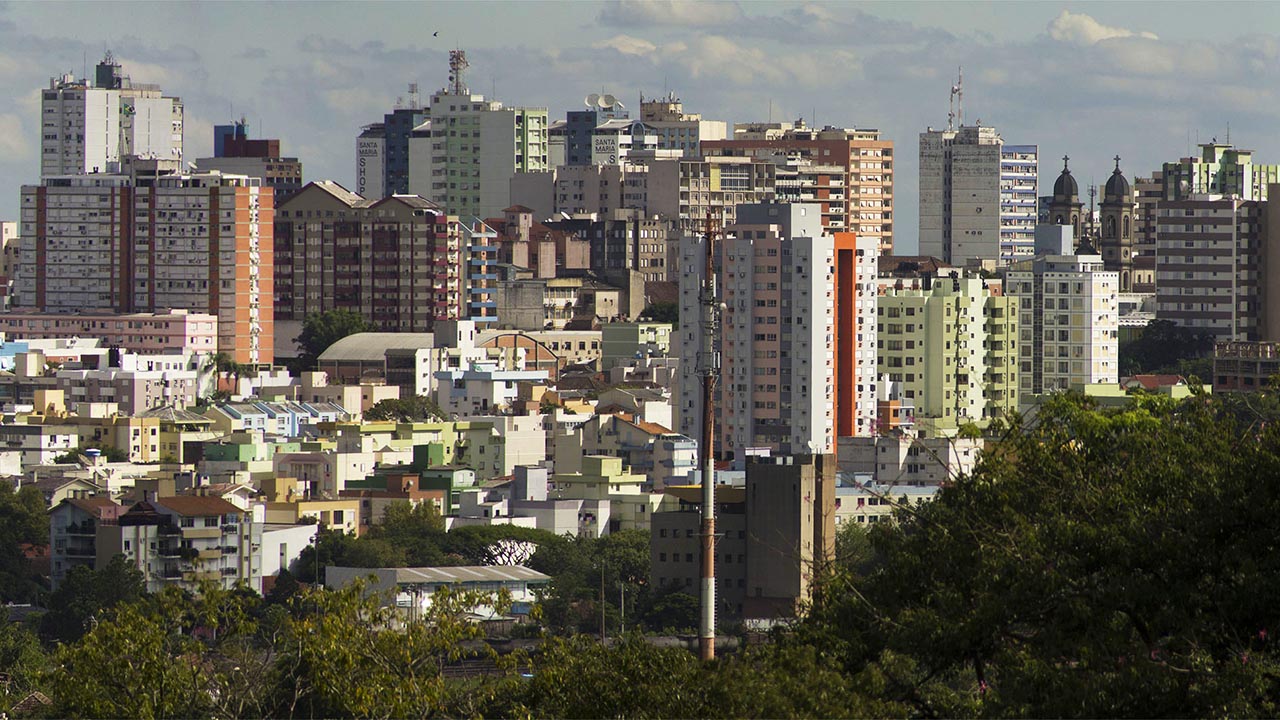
[1081,29]
[626,45]
[14,142]
[684,13]
[252,53]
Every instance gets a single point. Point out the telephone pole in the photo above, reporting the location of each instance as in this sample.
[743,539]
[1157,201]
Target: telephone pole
[709,360]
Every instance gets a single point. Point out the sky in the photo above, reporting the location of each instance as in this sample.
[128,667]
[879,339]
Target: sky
[1144,80]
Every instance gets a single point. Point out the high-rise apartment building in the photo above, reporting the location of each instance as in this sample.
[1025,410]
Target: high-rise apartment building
[464,156]
[9,245]
[779,379]
[978,196]
[580,128]
[949,345]
[1222,169]
[92,128]
[677,129]
[1209,259]
[125,244]
[398,262]
[235,153]
[1147,195]
[690,191]
[1068,323]
[858,200]
[371,161]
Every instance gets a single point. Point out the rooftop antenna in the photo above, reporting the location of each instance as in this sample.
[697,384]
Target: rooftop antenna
[956,112]
[457,66]
[1228,132]
[413,96]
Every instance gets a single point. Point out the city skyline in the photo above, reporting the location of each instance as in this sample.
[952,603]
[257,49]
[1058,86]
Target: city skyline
[1086,80]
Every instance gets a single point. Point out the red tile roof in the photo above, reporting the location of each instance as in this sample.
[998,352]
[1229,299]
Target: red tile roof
[195,505]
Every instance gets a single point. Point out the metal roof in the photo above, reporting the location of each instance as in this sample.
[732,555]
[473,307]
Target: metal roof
[373,346]
[462,574]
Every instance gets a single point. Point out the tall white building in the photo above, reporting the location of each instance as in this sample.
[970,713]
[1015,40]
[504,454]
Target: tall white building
[977,196]
[92,128]
[1068,322]
[778,384]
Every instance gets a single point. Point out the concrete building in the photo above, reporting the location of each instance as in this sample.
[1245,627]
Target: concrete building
[410,590]
[92,127]
[858,199]
[399,262]
[371,161]
[125,244]
[1210,264]
[628,343]
[1068,324]
[1244,366]
[775,534]
[580,128]
[977,195]
[1148,192]
[73,528]
[482,388]
[676,129]
[950,345]
[690,191]
[183,540]
[464,156]
[235,153]
[9,244]
[168,331]
[908,459]
[1221,169]
[789,301]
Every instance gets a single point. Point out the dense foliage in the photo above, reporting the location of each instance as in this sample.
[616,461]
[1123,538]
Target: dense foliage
[415,409]
[1101,563]
[320,330]
[1164,347]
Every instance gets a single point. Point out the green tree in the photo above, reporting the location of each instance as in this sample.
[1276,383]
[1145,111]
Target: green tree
[24,661]
[23,521]
[334,547]
[137,664]
[418,408]
[110,452]
[82,597]
[1096,563]
[320,330]
[663,312]
[1165,347]
[350,655]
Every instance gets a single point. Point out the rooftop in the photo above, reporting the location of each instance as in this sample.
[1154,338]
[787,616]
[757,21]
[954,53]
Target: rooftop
[373,346]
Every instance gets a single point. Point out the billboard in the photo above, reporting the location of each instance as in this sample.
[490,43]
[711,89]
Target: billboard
[370,168]
[605,149]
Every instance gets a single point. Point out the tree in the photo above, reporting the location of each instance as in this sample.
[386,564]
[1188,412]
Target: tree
[23,660]
[334,547]
[320,330]
[80,601]
[24,521]
[110,452]
[418,408]
[663,312]
[1097,562]
[1165,347]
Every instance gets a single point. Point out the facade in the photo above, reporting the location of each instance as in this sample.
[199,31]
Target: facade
[1221,169]
[779,382]
[176,331]
[858,198]
[691,191]
[1244,366]
[1209,260]
[73,526]
[235,153]
[92,128]
[978,196]
[121,244]
[907,459]
[676,129]
[950,346]
[184,540]
[371,161]
[398,262]
[1116,241]
[628,343]
[774,535]
[1068,322]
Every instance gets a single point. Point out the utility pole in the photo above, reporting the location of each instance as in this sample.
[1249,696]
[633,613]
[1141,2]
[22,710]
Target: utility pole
[603,638]
[709,359]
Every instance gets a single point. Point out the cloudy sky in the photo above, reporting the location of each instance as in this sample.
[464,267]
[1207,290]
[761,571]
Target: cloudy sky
[1087,79]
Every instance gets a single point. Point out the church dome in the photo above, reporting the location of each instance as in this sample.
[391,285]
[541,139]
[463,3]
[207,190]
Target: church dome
[1117,186]
[1065,188]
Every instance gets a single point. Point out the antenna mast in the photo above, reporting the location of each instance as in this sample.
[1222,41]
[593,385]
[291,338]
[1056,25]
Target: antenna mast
[457,65]
[709,362]
[956,112]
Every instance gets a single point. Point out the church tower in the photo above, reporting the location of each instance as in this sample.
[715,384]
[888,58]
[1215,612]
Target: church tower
[1116,240]
[1065,208]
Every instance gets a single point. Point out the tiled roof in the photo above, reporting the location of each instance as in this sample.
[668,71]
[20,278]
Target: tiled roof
[195,505]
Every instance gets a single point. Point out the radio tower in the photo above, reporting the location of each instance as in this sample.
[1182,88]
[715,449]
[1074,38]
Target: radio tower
[957,101]
[709,365]
[457,65]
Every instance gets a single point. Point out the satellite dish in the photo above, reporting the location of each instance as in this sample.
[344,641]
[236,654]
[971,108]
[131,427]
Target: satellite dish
[608,101]
[592,99]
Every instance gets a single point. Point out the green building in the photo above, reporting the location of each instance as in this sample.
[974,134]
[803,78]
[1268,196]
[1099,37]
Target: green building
[948,346]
